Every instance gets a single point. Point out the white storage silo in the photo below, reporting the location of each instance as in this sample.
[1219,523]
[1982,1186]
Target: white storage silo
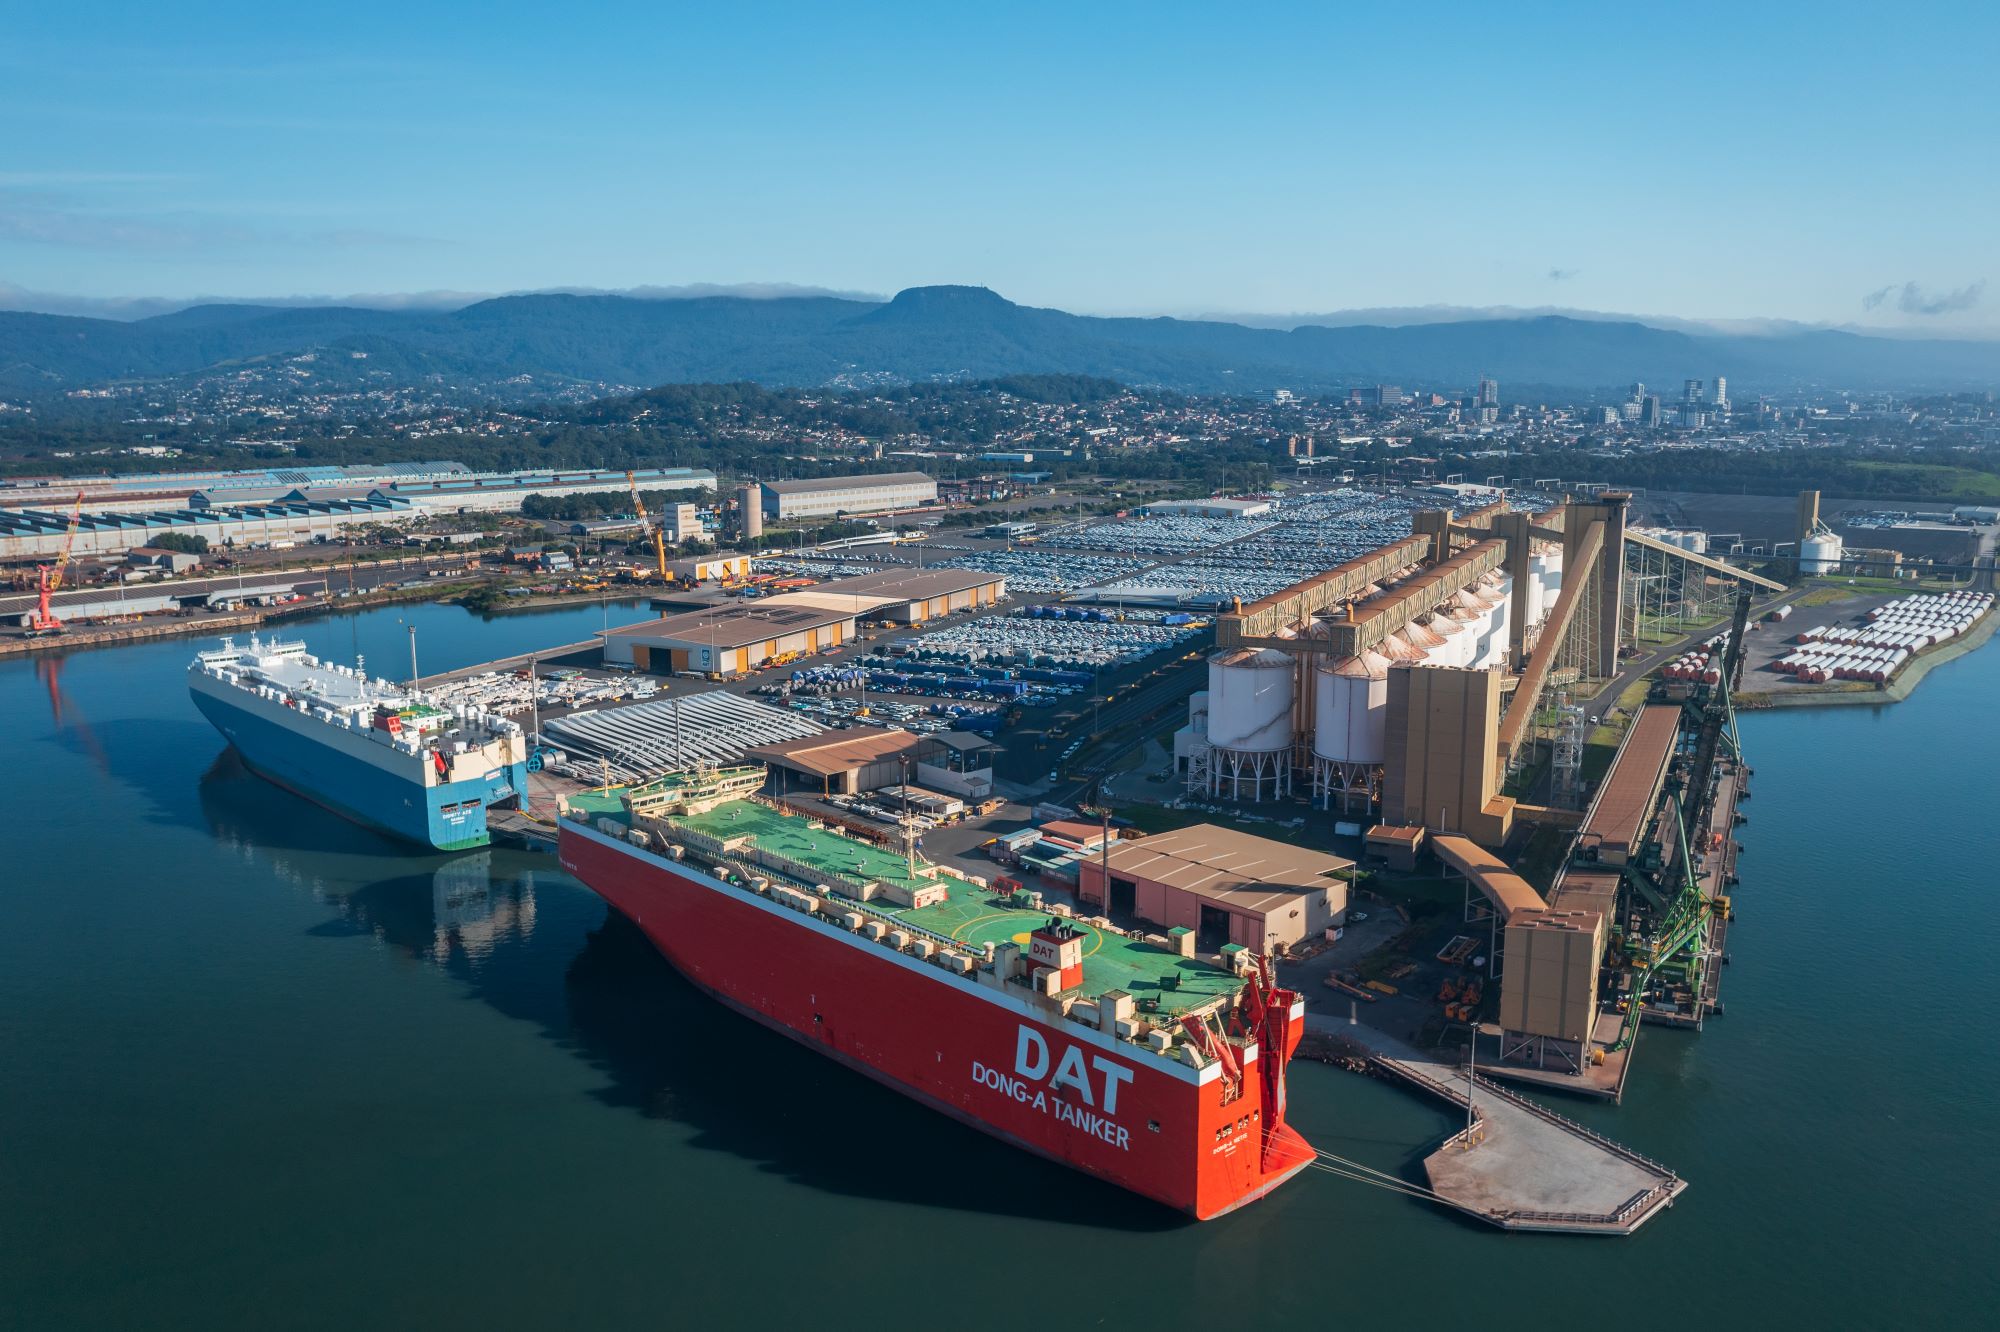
[1820,553]
[1545,568]
[1350,730]
[1251,692]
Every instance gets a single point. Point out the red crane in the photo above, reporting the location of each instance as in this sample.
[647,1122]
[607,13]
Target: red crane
[48,578]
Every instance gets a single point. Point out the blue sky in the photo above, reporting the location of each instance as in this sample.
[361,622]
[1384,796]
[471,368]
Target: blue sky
[1820,163]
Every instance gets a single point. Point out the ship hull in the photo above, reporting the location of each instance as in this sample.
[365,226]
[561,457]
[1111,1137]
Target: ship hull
[338,772]
[989,1056]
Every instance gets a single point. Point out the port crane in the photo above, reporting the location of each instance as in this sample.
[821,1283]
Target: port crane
[647,524]
[48,578]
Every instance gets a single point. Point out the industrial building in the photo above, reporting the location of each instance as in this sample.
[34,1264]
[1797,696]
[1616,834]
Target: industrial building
[726,638]
[28,534]
[851,496]
[729,640]
[480,491]
[848,762]
[710,568]
[911,596]
[175,490]
[1228,887]
[1213,508]
[440,486]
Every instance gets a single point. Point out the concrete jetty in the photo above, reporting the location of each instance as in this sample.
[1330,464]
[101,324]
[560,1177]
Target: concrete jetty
[1519,1166]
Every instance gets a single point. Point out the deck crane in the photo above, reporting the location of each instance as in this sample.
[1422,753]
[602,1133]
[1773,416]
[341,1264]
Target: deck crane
[48,578]
[646,522]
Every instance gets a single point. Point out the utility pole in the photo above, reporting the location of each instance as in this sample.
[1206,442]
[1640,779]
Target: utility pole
[1471,1077]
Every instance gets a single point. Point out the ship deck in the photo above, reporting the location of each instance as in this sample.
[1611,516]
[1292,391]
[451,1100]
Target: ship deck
[969,915]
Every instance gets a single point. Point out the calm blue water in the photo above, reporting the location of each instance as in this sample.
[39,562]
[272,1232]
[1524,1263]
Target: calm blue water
[260,1068]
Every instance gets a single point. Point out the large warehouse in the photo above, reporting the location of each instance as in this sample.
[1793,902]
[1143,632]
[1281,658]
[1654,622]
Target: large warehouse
[911,596]
[1226,886]
[446,486]
[728,640]
[829,496]
[41,533]
[728,637]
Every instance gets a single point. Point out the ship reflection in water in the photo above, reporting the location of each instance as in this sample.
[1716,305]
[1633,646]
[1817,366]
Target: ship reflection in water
[446,908]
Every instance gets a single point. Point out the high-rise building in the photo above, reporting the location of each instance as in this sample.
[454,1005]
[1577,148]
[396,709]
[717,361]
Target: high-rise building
[1630,410]
[1638,393]
[1649,410]
[1691,390]
[1388,395]
[1721,394]
[1489,393]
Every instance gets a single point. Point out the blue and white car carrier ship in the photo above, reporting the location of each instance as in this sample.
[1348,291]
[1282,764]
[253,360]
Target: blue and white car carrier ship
[378,753]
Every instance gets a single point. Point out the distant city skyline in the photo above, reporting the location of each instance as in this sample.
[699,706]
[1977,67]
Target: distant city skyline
[1786,162]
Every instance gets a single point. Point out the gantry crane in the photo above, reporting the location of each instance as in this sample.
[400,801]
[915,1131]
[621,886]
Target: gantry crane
[48,578]
[646,523]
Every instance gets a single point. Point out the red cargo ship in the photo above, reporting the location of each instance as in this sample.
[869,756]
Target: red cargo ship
[1122,1056]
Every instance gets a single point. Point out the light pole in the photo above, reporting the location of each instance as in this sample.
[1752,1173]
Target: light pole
[1471,1077]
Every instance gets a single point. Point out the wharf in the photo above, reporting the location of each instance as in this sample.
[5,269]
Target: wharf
[1519,1166]
[520,661]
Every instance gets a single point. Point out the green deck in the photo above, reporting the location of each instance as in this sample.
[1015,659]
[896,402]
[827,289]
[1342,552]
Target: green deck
[1110,961]
[794,837]
[970,916]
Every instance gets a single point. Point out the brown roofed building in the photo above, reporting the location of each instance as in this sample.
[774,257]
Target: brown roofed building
[847,762]
[1227,886]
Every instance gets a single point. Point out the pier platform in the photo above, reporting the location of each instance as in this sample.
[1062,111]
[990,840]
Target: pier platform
[1520,1166]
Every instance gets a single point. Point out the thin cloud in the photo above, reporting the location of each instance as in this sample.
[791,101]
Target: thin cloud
[1912,299]
[1561,274]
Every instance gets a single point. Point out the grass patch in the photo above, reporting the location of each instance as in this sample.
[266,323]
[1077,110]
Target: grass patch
[1542,856]
[1597,756]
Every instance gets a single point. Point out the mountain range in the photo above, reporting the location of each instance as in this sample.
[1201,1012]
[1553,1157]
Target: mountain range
[928,333]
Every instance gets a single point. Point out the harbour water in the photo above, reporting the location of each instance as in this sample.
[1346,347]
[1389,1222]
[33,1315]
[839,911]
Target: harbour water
[259,1067]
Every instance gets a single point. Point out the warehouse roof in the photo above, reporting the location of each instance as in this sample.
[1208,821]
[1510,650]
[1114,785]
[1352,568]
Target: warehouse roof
[834,752]
[732,626]
[1224,865]
[825,598]
[911,584]
[816,484]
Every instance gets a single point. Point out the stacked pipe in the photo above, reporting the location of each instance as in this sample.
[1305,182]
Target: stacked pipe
[1699,665]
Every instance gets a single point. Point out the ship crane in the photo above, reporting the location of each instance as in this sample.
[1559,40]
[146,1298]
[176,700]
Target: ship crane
[647,524]
[48,578]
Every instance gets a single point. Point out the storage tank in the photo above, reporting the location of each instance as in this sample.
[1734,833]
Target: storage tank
[1820,553]
[750,510]
[1351,710]
[1545,570]
[1454,645]
[1250,700]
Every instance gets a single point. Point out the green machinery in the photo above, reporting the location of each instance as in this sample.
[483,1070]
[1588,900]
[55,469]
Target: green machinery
[1669,944]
